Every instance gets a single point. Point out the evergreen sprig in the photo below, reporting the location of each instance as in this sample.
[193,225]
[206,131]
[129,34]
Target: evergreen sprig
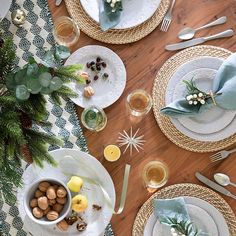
[184,227]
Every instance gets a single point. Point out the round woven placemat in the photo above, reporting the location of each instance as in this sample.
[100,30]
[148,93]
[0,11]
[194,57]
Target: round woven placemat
[93,30]
[158,93]
[178,190]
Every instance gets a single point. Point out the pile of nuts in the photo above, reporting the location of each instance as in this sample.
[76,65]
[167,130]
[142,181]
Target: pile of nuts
[49,200]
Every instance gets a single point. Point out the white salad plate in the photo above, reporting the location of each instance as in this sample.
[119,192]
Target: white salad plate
[106,91]
[86,166]
[216,123]
[204,215]
[5,6]
[134,13]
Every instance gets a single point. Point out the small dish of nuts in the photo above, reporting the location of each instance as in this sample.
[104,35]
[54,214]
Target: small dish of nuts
[47,201]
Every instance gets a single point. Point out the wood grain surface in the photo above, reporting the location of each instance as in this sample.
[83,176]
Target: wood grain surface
[142,60]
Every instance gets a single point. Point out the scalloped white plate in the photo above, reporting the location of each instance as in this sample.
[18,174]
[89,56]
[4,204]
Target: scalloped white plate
[5,6]
[106,91]
[89,167]
[135,11]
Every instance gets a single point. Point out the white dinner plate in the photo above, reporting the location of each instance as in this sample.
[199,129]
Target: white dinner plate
[218,219]
[106,91]
[88,167]
[134,13]
[174,89]
[216,118]
[5,6]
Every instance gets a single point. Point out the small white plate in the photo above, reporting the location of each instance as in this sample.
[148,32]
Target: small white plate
[201,219]
[5,6]
[211,63]
[106,91]
[88,167]
[214,119]
[217,217]
[135,11]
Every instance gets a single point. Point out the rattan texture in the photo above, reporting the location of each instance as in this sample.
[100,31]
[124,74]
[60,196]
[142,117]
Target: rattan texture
[178,190]
[112,36]
[158,93]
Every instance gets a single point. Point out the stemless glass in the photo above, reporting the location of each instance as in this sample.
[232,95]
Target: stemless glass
[94,118]
[66,31]
[155,174]
[139,103]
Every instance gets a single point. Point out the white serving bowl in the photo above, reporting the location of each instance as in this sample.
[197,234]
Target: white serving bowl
[29,194]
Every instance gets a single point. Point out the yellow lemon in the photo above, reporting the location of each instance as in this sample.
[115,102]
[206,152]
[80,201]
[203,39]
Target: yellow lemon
[79,203]
[75,184]
[112,153]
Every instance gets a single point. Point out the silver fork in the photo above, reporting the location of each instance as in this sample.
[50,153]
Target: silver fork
[167,18]
[221,155]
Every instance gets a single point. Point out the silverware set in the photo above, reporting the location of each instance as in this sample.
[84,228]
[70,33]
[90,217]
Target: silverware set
[219,156]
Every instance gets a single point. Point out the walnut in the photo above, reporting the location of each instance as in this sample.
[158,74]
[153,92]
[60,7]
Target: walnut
[52,215]
[51,193]
[43,203]
[61,192]
[72,219]
[52,202]
[43,186]
[34,203]
[62,225]
[57,207]
[38,193]
[61,200]
[88,92]
[84,75]
[37,212]
[55,186]
[45,212]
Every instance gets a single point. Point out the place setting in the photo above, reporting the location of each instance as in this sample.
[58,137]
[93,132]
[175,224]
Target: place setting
[117,22]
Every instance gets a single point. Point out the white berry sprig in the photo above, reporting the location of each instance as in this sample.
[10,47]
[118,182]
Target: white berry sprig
[115,5]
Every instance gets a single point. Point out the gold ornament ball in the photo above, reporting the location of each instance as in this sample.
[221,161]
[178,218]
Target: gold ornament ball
[18,17]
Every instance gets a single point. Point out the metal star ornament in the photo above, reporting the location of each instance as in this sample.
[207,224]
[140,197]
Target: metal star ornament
[131,141]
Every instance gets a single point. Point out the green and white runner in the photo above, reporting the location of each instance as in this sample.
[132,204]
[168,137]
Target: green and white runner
[31,39]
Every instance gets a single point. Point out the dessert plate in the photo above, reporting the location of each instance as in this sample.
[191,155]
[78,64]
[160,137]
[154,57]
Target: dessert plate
[5,6]
[87,166]
[106,91]
[201,128]
[135,11]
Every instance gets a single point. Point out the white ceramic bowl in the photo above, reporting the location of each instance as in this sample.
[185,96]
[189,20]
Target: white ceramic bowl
[29,194]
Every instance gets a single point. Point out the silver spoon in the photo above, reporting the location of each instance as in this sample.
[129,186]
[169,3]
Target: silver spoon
[188,33]
[223,179]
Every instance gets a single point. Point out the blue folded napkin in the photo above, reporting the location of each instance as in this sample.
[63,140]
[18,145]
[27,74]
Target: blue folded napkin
[172,208]
[224,84]
[107,18]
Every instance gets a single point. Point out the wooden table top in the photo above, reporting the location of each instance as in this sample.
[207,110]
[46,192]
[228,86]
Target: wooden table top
[143,59]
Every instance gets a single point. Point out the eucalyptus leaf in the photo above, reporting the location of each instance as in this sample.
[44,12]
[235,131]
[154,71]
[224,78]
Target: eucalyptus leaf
[32,69]
[56,83]
[45,79]
[20,76]
[46,91]
[34,85]
[22,92]
[10,81]
[62,52]
[49,59]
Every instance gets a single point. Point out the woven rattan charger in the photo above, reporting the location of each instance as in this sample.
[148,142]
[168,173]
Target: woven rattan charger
[192,190]
[93,30]
[159,89]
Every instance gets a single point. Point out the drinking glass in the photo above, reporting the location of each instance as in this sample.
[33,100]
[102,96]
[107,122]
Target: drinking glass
[94,118]
[155,174]
[139,103]
[66,31]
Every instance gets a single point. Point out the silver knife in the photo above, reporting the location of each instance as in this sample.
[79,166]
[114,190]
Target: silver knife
[214,185]
[192,42]
[58,2]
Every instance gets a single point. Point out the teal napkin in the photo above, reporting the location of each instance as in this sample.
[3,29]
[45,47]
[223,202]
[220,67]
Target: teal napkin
[172,208]
[224,84]
[107,18]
